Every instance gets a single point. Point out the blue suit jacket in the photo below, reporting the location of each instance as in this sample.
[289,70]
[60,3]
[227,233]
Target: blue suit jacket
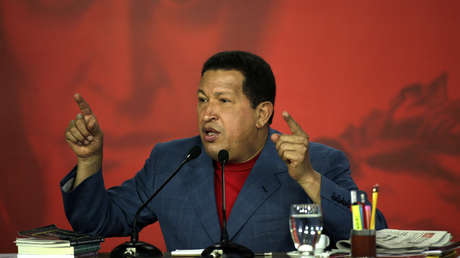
[186,207]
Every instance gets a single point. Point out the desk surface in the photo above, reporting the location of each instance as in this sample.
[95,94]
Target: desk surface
[274,255]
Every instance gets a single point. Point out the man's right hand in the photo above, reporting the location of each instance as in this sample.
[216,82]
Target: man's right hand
[85,138]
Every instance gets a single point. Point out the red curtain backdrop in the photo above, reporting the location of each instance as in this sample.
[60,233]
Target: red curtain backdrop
[378,79]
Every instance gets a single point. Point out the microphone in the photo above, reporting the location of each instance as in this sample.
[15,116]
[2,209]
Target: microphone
[135,248]
[226,248]
[222,156]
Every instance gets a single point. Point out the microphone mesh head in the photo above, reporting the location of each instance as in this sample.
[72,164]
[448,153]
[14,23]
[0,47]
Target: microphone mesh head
[223,156]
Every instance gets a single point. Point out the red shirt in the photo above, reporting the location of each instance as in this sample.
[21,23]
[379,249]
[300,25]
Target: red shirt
[235,175]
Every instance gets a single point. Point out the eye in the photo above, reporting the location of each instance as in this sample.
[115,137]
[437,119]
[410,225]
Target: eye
[223,100]
[202,99]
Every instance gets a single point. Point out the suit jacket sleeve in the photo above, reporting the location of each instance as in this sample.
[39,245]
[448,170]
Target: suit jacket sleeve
[92,209]
[336,183]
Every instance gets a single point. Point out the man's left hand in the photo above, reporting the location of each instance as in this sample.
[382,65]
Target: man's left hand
[293,149]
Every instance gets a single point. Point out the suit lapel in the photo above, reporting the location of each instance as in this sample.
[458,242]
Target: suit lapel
[258,187]
[201,189]
[261,183]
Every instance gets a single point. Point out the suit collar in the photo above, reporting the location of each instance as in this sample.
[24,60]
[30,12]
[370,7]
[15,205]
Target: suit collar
[261,183]
[201,189]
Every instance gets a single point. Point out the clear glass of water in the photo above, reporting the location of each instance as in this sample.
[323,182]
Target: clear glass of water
[306,225]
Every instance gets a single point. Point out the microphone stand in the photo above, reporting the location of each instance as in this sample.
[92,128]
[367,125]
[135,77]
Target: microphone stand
[226,248]
[136,248]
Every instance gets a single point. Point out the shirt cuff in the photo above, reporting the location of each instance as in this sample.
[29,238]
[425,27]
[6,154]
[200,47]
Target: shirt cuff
[68,180]
[67,186]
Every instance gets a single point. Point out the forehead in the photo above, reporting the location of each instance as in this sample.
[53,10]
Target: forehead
[226,80]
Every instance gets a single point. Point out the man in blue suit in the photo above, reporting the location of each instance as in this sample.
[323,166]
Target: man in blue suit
[269,171]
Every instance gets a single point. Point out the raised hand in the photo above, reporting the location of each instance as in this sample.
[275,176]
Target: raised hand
[293,149]
[85,138]
[83,134]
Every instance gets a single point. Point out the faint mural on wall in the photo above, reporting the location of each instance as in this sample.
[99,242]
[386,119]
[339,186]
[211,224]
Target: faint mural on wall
[124,57]
[414,136]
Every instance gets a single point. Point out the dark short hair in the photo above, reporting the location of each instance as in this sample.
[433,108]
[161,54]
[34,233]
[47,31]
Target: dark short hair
[259,82]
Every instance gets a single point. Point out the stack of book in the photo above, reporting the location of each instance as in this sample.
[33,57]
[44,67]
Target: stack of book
[51,240]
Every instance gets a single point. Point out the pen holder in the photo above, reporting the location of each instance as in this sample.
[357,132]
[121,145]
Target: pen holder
[363,243]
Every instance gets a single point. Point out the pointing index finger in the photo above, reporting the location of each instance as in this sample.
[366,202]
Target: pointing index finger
[293,125]
[84,106]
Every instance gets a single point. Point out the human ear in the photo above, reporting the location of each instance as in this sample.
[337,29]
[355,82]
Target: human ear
[263,112]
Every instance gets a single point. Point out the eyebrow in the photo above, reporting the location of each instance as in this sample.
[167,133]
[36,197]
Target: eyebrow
[216,94]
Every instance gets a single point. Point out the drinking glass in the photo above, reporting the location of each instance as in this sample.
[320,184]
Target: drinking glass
[306,224]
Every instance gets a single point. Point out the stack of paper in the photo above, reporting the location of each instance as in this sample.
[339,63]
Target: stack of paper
[394,241]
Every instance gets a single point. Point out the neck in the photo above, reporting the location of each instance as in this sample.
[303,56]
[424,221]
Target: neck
[260,140]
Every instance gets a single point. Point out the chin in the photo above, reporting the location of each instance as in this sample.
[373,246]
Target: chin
[212,150]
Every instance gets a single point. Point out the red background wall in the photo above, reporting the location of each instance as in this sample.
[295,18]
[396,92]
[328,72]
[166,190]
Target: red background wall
[377,79]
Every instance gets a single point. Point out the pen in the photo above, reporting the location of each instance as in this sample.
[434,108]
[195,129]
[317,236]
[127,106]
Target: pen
[355,211]
[368,216]
[375,195]
[366,210]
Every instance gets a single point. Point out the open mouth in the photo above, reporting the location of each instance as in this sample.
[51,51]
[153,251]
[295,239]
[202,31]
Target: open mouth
[210,134]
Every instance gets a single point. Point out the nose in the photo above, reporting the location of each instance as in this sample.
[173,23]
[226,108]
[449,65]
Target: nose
[209,112]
